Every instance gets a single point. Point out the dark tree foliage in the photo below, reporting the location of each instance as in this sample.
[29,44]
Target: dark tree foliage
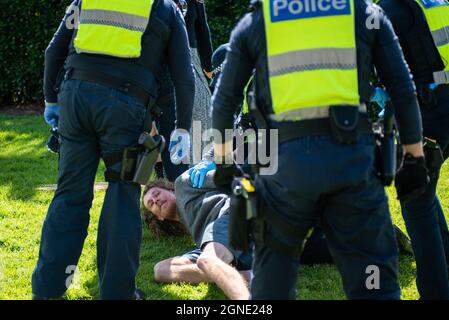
[27,26]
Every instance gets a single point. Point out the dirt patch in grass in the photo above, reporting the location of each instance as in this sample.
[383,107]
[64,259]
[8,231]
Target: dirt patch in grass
[25,110]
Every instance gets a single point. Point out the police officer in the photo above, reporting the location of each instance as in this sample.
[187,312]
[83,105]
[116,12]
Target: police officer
[201,49]
[423,30]
[313,61]
[112,62]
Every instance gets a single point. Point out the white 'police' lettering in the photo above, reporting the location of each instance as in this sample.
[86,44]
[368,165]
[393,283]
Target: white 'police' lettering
[282,10]
[434,3]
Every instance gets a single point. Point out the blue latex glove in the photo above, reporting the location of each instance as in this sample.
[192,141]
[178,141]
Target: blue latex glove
[380,97]
[51,114]
[198,173]
[179,147]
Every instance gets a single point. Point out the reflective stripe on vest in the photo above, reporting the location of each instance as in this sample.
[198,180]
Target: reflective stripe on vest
[312,56]
[437,16]
[308,113]
[113,27]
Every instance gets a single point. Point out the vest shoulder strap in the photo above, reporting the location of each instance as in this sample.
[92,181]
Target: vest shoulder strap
[431,60]
[418,15]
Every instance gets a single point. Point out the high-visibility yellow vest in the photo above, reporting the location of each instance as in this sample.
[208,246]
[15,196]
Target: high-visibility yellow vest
[437,16]
[245,107]
[113,27]
[312,56]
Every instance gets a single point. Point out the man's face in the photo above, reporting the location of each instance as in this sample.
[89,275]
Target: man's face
[162,203]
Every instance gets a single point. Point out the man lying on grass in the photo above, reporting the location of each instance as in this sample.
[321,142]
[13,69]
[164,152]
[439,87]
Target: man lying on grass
[204,213]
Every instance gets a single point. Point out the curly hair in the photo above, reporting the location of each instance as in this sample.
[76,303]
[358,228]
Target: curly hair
[160,228]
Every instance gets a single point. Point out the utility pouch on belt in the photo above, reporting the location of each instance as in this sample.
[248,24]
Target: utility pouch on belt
[343,122]
[152,147]
[433,153]
[242,209]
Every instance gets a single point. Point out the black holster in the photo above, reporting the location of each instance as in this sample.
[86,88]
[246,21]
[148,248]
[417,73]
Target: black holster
[243,209]
[238,224]
[137,162]
[434,154]
[343,123]
[387,149]
[151,149]
[387,153]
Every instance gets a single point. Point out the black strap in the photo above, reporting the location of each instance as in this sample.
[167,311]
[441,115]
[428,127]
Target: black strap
[261,236]
[284,226]
[442,91]
[133,90]
[418,14]
[114,158]
[110,160]
[421,33]
[316,127]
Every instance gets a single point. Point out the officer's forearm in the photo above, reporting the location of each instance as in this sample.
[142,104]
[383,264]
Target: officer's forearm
[53,65]
[415,149]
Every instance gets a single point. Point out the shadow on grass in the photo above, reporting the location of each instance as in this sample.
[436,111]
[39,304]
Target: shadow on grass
[25,161]
[24,173]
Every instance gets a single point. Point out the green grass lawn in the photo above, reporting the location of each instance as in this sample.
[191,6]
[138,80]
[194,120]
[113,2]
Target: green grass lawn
[25,165]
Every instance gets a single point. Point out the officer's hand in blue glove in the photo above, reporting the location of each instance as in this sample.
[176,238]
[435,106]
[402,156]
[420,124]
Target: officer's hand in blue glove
[199,172]
[179,147]
[51,114]
[381,97]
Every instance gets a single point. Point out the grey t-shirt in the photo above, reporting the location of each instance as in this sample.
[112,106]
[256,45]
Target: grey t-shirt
[199,207]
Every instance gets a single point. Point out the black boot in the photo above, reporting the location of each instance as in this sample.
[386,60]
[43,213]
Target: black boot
[404,243]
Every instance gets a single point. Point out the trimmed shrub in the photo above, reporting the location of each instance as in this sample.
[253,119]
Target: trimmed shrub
[27,26]
[223,16]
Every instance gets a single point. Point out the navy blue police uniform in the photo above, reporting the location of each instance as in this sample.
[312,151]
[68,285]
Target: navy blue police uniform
[103,103]
[199,38]
[424,217]
[319,179]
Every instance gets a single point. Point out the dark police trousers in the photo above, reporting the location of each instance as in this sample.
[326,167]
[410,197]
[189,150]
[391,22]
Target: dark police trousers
[424,217]
[94,121]
[166,124]
[320,180]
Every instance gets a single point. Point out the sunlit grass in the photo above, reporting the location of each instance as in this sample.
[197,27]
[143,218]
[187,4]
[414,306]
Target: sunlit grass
[25,165]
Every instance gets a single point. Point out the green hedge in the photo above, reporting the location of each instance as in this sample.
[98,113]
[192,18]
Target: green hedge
[222,16]
[26,27]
